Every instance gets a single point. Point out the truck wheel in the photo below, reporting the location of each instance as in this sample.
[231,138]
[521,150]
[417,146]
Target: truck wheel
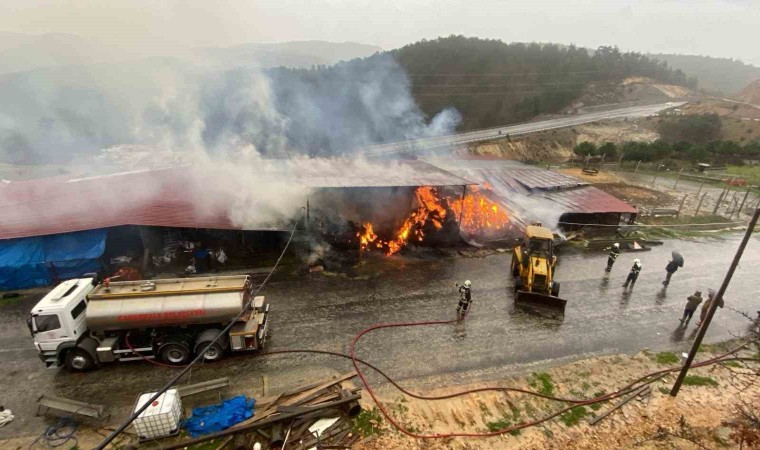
[174,353]
[79,360]
[555,289]
[212,354]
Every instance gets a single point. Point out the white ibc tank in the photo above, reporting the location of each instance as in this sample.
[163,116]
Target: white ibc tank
[161,418]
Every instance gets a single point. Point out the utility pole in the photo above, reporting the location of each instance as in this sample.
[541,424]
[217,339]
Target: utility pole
[714,305]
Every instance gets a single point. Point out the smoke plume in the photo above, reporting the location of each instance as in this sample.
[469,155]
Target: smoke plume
[228,124]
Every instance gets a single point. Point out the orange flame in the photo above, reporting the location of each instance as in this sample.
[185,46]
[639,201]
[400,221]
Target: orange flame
[477,212]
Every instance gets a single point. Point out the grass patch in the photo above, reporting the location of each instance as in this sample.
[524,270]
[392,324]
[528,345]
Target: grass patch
[696,380]
[664,390]
[666,358]
[208,445]
[584,374]
[543,382]
[367,422]
[596,394]
[572,417]
[585,386]
[530,410]
[484,410]
[732,364]
[504,422]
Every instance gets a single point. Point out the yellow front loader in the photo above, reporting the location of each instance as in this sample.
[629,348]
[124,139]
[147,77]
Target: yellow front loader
[533,263]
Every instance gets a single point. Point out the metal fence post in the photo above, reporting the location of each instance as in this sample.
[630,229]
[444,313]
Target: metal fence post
[714,305]
[637,167]
[699,205]
[683,200]
[678,177]
[701,183]
[656,173]
[720,199]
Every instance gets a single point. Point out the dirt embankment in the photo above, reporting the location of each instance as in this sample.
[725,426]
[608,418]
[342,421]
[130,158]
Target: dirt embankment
[701,412]
[557,145]
[751,93]
[632,89]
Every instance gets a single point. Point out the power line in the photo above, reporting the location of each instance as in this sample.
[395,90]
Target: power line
[552,83]
[515,74]
[199,357]
[476,94]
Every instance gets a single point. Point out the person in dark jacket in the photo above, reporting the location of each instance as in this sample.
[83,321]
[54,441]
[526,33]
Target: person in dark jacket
[670,269]
[613,256]
[633,275]
[692,302]
[710,298]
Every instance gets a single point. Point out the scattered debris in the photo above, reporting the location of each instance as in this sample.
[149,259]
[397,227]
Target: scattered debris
[47,403]
[312,415]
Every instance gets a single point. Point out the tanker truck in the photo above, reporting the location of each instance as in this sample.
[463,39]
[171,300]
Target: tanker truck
[82,324]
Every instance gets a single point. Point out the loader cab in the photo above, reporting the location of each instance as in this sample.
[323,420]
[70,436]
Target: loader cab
[539,242]
[59,318]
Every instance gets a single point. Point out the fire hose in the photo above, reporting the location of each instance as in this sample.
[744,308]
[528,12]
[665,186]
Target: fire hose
[631,387]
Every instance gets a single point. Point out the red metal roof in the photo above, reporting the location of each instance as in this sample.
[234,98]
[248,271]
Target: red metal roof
[508,178]
[189,197]
[170,198]
[588,199]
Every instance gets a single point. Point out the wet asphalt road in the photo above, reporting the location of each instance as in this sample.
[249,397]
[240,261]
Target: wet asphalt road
[323,311]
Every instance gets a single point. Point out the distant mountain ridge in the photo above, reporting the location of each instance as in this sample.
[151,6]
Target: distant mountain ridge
[21,52]
[720,75]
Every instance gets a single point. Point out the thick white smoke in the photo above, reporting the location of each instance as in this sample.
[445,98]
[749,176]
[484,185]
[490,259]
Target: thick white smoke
[225,123]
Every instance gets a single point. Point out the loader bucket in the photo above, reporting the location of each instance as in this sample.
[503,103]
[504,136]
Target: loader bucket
[540,302]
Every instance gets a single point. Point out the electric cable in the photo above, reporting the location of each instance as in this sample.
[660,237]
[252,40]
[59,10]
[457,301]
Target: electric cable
[198,357]
[59,434]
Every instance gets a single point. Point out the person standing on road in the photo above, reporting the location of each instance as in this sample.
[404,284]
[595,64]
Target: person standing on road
[614,253]
[691,305]
[672,266]
[633,274]
[706,306]
[465,298]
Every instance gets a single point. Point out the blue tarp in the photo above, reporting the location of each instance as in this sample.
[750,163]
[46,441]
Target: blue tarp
[210,419]
[41,260]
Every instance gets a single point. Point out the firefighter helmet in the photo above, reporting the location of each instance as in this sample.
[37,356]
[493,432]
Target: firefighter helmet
[467,284]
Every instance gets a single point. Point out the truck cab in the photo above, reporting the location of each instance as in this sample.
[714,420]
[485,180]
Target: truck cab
[57,322]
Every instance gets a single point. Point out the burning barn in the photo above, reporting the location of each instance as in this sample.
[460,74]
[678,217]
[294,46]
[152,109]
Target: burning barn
[385,205]
[532,193]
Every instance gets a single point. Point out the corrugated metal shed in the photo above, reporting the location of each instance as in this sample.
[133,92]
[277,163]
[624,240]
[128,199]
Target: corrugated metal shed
[342,172]
[188,198]
[508,178]
[167,198]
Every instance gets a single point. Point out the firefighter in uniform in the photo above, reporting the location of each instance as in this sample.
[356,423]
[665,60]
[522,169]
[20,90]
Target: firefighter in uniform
[465,298]
[633,274]
[614,253]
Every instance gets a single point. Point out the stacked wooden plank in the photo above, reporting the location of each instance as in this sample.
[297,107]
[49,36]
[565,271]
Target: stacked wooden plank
[294,418]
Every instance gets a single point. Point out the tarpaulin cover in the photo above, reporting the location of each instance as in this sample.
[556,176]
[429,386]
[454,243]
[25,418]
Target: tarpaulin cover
[41,260]
[210,419]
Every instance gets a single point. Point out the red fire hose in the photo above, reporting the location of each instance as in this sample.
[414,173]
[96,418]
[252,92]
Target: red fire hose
[644,380]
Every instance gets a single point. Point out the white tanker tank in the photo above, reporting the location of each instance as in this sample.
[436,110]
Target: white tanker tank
[161,303]
[82,326]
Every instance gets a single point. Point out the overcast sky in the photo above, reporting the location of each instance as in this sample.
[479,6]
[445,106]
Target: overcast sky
[727,28]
